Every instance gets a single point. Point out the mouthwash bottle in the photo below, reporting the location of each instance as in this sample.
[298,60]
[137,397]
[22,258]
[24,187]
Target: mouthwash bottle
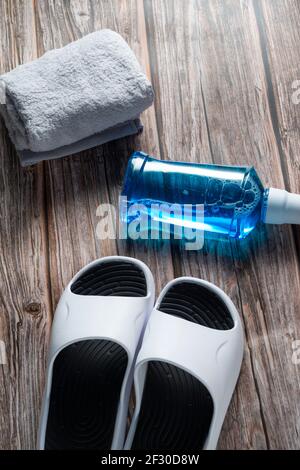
[233,198]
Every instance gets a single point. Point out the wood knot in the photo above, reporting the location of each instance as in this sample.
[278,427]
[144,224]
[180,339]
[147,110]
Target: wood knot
[33,308]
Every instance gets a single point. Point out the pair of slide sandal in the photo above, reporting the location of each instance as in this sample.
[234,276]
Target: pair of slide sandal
[184,356]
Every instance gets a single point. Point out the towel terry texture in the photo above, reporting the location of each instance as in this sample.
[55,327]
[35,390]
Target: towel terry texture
[84,94]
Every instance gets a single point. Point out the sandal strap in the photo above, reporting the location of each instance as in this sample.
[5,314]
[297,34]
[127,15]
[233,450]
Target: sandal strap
[118,319]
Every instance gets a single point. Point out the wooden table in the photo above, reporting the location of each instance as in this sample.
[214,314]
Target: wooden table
[224,73]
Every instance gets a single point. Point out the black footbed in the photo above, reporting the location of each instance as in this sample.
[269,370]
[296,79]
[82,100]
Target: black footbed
[198,304]
[86,385]
[117,278]
[88,375]
[177,409]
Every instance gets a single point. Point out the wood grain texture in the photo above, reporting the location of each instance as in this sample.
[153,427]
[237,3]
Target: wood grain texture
[240,114]
[280,38]
[25,307]
[223,73]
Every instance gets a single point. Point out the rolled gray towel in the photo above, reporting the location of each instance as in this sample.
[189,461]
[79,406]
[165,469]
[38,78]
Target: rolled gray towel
[82,95]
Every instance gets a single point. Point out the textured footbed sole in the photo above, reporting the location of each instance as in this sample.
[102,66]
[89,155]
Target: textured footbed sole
[86,385]
[177,409]
[198,304]
[117,278]
[88,375]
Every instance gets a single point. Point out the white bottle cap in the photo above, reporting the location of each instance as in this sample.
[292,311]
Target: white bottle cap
[282,207]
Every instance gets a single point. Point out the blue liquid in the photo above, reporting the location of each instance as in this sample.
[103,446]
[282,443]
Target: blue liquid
[232,197]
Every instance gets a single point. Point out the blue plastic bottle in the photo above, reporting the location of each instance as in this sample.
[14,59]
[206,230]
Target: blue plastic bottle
[233,198]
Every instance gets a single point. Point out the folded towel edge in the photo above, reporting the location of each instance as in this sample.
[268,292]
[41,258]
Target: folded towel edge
[135,126]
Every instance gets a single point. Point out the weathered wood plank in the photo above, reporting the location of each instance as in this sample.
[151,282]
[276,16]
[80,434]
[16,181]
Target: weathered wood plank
[25,306]
[278,22]
[97,175]
[208,58]
[74,186]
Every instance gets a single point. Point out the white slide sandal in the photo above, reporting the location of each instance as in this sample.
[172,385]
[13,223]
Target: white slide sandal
[187,368]
[95,337]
